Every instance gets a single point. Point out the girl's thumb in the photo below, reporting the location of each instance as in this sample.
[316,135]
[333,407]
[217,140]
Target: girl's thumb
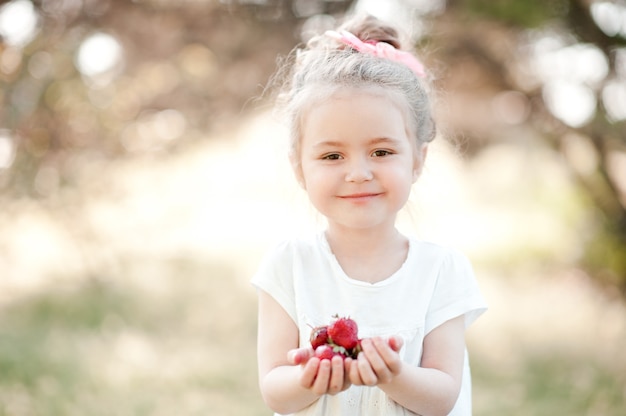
[298,356]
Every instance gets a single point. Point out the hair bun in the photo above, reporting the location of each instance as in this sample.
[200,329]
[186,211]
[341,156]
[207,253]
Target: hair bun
[370,28]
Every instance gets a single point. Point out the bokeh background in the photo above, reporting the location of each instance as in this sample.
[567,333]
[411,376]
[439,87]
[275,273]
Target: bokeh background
[143,175]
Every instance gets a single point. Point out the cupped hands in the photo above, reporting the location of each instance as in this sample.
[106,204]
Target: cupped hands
[377,363]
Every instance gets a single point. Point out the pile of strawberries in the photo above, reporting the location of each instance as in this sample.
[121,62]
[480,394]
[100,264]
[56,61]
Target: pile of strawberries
[340,337]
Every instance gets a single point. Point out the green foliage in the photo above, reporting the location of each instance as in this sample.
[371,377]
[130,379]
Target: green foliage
[546,384]
[604,255]
[522,13]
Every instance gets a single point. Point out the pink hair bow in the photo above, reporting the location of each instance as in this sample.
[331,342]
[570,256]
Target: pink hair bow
[379,49]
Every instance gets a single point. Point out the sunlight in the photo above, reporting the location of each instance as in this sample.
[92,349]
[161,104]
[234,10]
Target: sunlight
[403,13]
[570,74]
[610,17]
[152,130]
[573,104]
[614,99]
[388,10]
[580,63]
[7,150]
[99,55]
[380,9]
[18,22]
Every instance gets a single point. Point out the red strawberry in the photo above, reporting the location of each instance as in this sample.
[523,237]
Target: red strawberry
[324,352]
[344,333]
[319,336]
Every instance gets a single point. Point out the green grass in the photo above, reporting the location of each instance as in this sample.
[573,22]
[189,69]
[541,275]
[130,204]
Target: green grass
[39,336]
[182,344]
[554,383]
[180,340]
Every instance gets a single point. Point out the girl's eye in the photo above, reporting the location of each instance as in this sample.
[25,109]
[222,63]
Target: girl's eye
[381,152]
[331,156]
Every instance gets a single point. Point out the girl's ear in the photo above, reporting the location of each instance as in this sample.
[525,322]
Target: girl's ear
[418,161]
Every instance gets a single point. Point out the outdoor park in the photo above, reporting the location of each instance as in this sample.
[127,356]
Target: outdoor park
[143,176]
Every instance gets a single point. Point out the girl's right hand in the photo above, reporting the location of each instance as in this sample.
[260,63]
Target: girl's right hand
[321,376]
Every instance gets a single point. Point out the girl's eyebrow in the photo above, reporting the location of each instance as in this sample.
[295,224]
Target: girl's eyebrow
[374,141]
[329,143]
[383,140]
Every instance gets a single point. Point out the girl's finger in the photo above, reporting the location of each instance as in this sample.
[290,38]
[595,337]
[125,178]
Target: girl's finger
[321,382]
[299,355]
[309,372]
[347,363]
[336,375]
[354,375]
[395,343]
[381,358]
[366,373]
[371,347]
[389,353]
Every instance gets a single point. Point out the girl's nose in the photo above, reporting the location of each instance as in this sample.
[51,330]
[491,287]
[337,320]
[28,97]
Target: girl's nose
[359,171]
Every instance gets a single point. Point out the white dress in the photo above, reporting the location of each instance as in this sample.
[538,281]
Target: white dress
[434,285]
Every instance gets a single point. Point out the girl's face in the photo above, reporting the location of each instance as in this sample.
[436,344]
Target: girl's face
[357,160]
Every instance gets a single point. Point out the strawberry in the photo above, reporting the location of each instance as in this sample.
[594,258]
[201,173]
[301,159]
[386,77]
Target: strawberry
[344,333]
[319,336]
[325,352]
[338,338]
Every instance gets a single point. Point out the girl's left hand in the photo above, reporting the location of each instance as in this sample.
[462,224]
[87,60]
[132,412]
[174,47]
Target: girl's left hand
[378,363]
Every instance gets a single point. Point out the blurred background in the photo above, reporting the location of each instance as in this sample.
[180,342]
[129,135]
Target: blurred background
[143,176]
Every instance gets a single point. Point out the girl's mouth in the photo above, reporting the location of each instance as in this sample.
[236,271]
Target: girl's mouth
[364,195]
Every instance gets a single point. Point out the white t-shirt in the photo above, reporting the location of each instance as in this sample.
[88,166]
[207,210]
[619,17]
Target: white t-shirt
[434,285]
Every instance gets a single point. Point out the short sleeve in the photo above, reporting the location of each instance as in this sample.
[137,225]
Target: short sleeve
[275,277]
[455,293]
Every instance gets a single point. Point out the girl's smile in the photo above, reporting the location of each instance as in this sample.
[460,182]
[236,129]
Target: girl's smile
[361,196]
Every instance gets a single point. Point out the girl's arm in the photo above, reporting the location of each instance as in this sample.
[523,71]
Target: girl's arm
[286,387]
[432,388]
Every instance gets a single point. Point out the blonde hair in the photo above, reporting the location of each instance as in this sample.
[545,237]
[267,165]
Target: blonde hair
[325,66]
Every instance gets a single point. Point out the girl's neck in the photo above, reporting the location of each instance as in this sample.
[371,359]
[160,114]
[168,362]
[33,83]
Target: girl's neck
[368,255]
[363,242]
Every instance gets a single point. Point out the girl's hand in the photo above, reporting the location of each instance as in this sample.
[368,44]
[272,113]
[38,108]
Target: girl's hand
[378,363]
[321,376]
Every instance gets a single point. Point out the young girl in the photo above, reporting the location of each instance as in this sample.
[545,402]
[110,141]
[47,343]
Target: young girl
[360,123]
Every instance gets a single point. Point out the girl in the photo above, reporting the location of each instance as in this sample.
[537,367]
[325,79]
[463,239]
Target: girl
[360,123]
